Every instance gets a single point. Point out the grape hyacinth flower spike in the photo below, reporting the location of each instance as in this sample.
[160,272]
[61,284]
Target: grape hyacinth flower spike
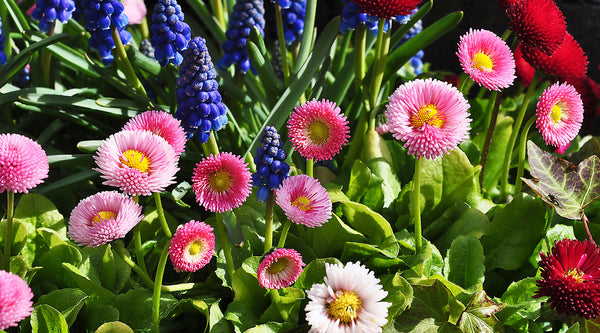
[200,108]
[3,57]
[352,16]
[170,35]
[101,15]
[246,15]
[48,11]
[293,19]
[271,168]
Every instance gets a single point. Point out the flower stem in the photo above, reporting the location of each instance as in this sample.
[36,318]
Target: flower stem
[217,7]
[122,252]
[382,46]
[585,221]
[46,58]
[522,149]
[275,298]
[144,29]
[269,222]
[495,104]
[416,205]
[160,271]
[282,48]
[284,233]
[124,63]
[7,234]
[225,244]
[161,215]
[210,147]
[137,243]
[360,47]
[310,167]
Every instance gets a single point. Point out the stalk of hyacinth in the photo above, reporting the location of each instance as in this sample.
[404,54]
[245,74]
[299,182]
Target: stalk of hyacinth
[48,11]
[170,35]
[387,9]
[246,15]
[3,57]
[200,107]
[279,268]
[349,300]
[192,246]
[15,300]
[100,16]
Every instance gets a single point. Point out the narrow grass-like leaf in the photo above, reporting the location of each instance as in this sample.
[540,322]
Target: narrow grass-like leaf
[308,34]
[398,34]
[263,65]
[76,178]
[17,15]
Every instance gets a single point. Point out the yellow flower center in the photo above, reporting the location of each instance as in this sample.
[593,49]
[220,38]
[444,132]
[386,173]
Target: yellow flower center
[345,307]
[103,216]
[135,159]
[318,132]
[302,202]
[577,274]
[195,248]
[482,62]
[220,181]
[427,115]
[556,113]
[278,266]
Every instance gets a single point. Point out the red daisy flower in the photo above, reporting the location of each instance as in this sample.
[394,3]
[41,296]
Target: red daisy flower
[538,23]
[387,8]
[524,70]
[569,61]
[571,278]
[504,4]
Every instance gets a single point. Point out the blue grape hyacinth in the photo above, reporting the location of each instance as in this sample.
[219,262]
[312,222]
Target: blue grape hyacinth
[246,14]
[200,107]
[3,57]
[271,168]
[48,11]
[22,78]
[293,20]
[170,35]
[101,15]
[415,61]
[284,4]
[352,17]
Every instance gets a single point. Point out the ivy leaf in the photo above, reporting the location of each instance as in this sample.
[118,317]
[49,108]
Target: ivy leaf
[564,186]
[480,315]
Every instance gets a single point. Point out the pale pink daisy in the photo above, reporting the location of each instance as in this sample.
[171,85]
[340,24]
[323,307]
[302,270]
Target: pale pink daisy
[15,300]
[192,246]
[318,129]
[304,201]
[103,217]
[429,116]
[559,114]
[279,269]
[162,124]
[135,10]
[137,162]
[221,182]
[350,300]
[487,59]
[23,163]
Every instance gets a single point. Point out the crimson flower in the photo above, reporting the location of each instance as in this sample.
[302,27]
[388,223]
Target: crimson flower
[568,62]
[387,9]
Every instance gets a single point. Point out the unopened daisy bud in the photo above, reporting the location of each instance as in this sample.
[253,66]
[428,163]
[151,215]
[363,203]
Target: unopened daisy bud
[192,246]
[15,300]
[48,11]
[271,168]
[101,15]
[279,268]
[170,35]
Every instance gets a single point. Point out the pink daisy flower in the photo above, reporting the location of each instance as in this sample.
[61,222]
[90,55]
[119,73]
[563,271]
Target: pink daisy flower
[221,182]
[192,246]
[559,114]
[162,124]
[23,163]
[15,300]
[279,269]
[318,129]
[304,201]
[137,162]
[487,59]
[103,217]
[430,116]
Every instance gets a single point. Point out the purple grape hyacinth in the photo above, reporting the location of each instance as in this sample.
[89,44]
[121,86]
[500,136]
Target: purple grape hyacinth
[48,11]
[271,168]
[200,107]
[293,20]
[3,57]
[100,16]
[170,35]
[284,4]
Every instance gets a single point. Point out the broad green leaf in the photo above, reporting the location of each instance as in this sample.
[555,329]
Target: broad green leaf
[329,239]
[53,260]
[114,327]
[111,271]
[18,236]
[96,313]
[270,327]
[496,153]
[314,272]
[466,262]
[246,285]
[35,210]
[400,293]
[425,264]
[360,177]
[371,224]
[554,234]
[135,307]
[509,241]
[20,267]
[440,225]
[520,304]
[471,222]
[89,287]
[68,301]
[46,319]
[567,188]
[51,237]
[289,302]
[480,315]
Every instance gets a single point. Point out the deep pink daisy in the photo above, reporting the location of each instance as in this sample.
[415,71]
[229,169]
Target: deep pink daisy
[162,124]
[15,300]
[279,269]
[221,182]
[137,162]
[103,217]
[429,116]
[318,129]
[559,114]
[192,246]
[487,59]
[387,9]
[304,201]
[571,278]
[23,163]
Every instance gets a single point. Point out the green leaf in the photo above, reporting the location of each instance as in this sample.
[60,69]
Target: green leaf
[480,315]
[314,272]
[18,236]
[471,222]
[508,241]
[559,183]
[554,234]
[46,319]
[68,301]
[97,312]
[496,153]
[520,304]
[53,260]
[400,293]
[360,177]
[114,327]
[135,307]
[112,272]
[91,288]
[466,262]
[329,239]
[289,302]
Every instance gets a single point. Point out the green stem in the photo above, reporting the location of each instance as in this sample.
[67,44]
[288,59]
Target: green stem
[124,63]
[522,150]
[307,36]
[225,244]
[269,222]
[211,147]
[275,298]
[144,28]
[122,252]
[284,233]
[46,58]
[9,219]
[360,47]
[416,205]
[217,7]
[382,46]
[160,271]
[494,103]
[161,215]
[137,243]
[310,166]
[356,143]
[513,136]
[282,48]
